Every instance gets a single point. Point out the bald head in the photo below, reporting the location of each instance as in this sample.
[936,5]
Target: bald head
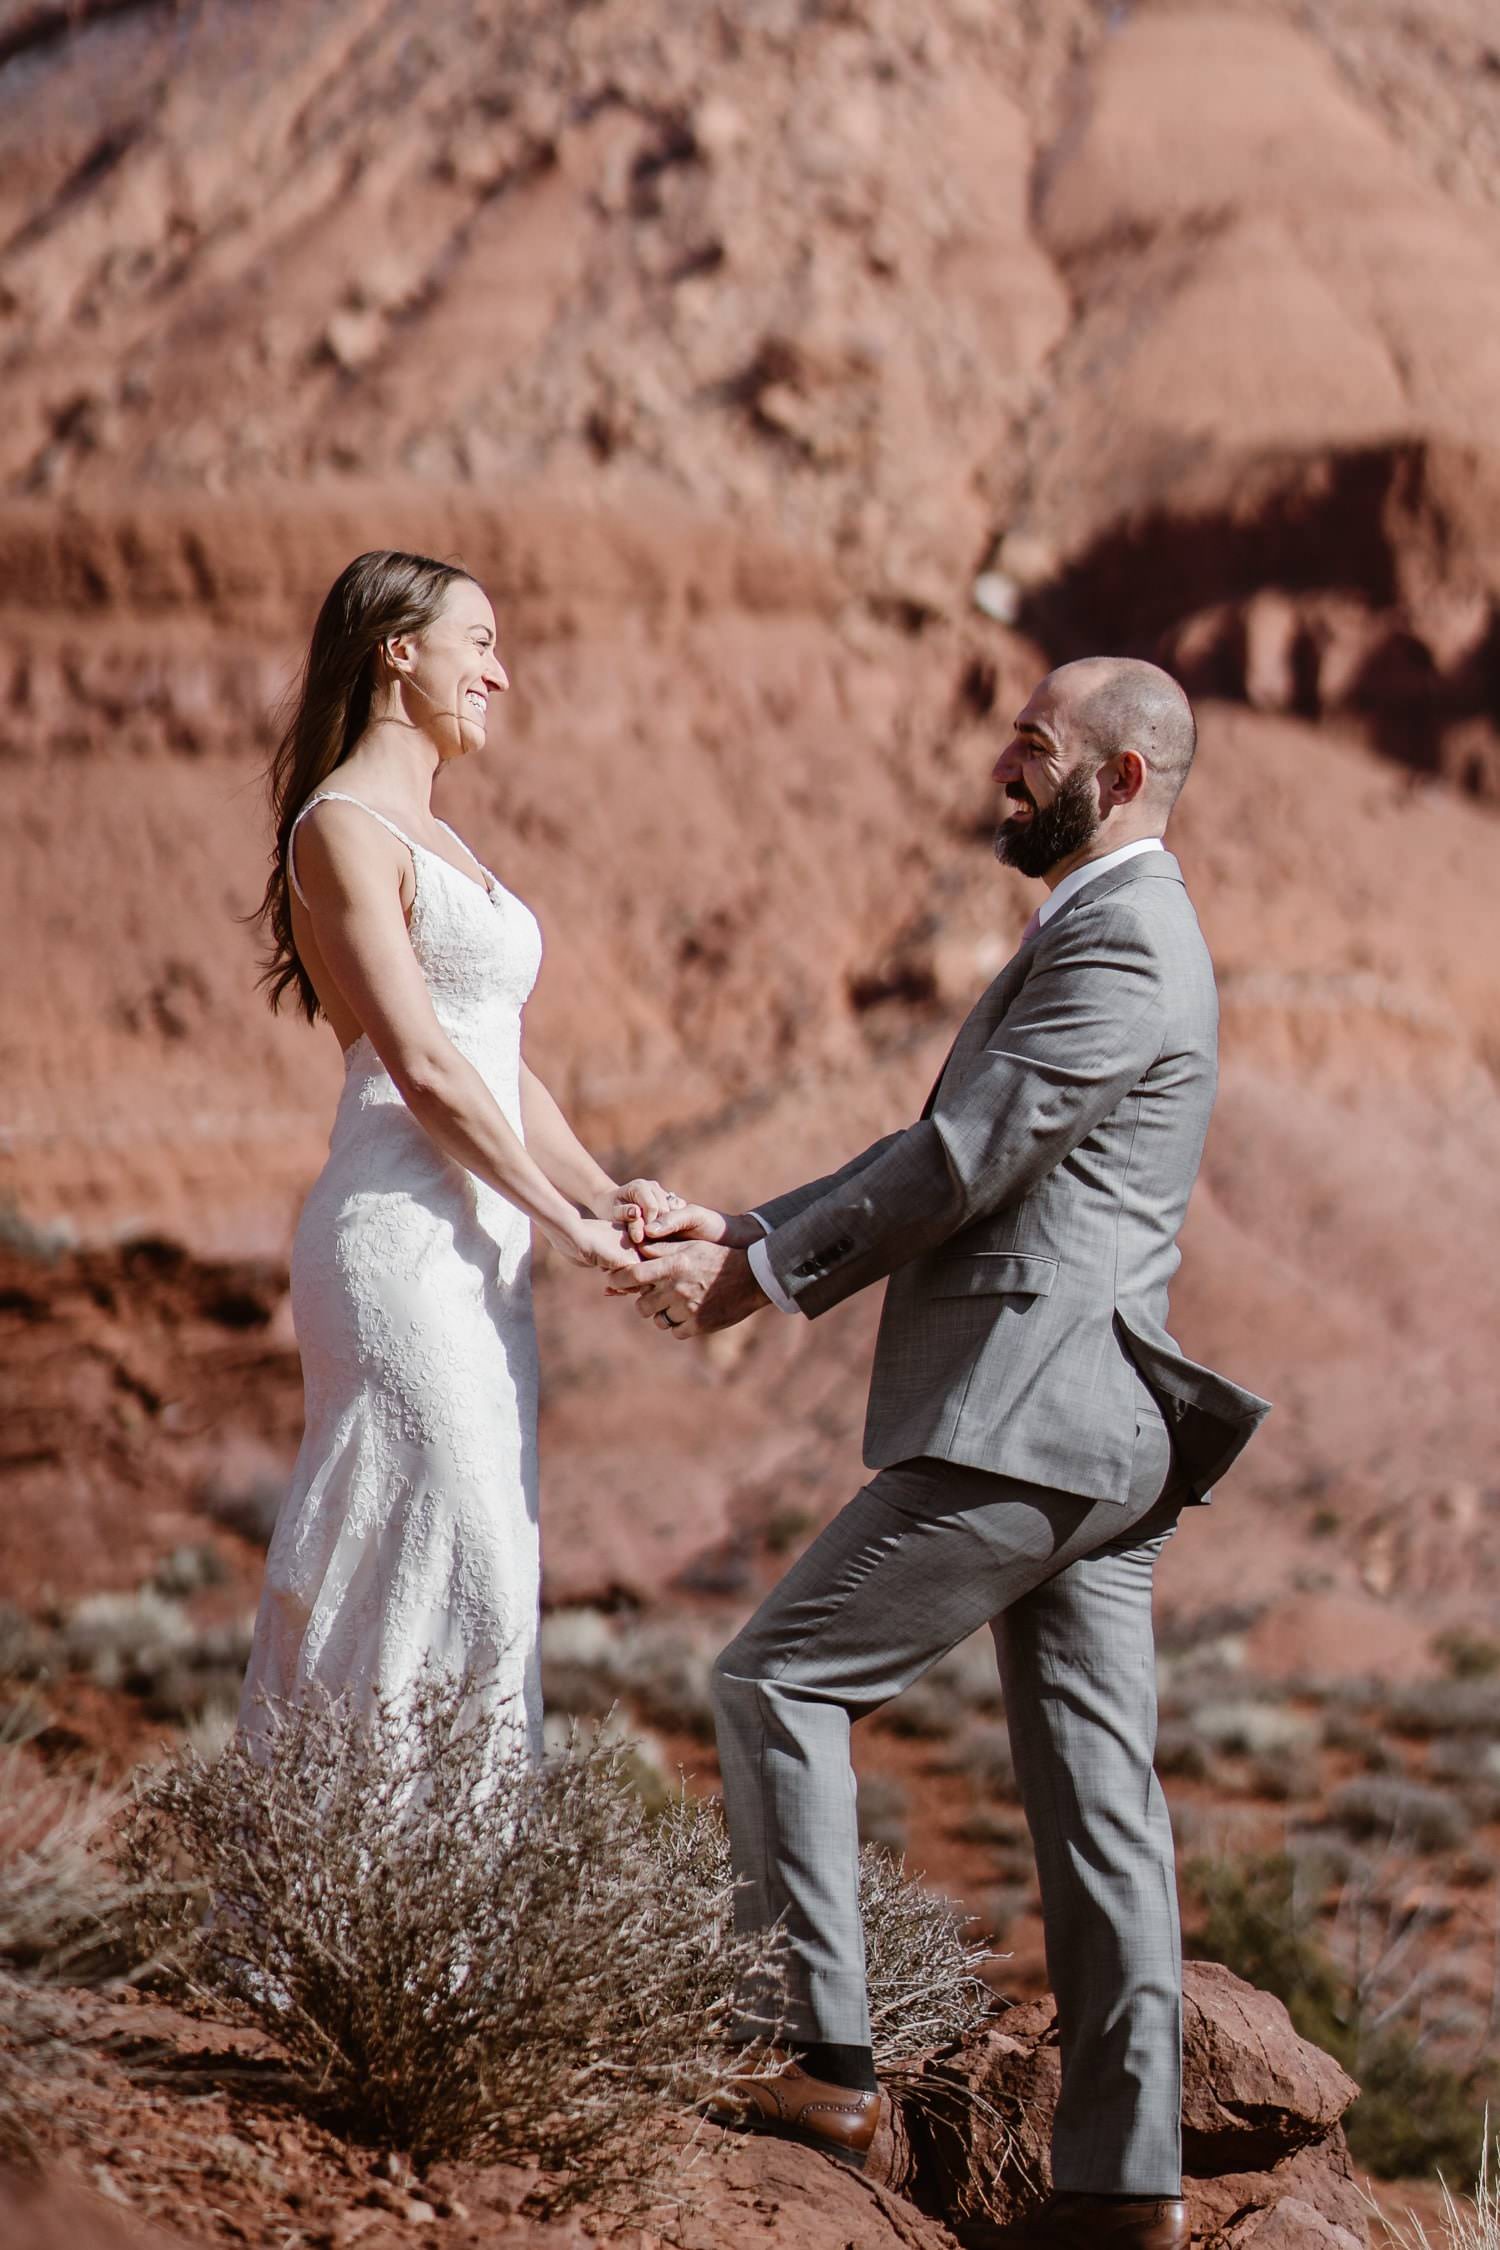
[1119,703]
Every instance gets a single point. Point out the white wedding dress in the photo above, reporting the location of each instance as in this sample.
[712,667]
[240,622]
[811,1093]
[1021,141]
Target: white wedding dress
[407,1541]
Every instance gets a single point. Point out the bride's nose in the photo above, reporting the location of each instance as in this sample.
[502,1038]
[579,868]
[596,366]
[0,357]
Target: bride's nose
[496,676]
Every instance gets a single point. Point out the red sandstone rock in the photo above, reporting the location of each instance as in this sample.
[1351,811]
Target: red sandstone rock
[1261,2111]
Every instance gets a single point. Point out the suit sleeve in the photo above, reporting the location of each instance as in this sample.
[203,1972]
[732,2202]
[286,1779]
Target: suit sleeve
[777,1209]
[1087,1023]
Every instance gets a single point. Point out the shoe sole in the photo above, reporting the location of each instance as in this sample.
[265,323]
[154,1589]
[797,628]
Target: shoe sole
[853,2159]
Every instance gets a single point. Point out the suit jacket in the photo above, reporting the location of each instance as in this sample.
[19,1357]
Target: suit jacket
[1028,1221]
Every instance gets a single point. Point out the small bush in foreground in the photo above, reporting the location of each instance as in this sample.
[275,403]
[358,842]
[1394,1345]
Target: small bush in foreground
[457,1953]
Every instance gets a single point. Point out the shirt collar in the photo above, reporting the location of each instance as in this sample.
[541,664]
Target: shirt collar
[1091,868]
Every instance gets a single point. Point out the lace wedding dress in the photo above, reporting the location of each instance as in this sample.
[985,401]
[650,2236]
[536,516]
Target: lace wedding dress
[407,1541]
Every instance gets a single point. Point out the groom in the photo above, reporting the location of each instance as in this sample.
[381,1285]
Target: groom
[1034,1432]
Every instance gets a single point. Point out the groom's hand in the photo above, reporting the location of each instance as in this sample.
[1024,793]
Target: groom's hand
[691,1288]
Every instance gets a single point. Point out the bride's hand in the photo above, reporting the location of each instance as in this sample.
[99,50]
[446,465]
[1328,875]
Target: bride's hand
[643,1208]
[698,1222]
[594,1242]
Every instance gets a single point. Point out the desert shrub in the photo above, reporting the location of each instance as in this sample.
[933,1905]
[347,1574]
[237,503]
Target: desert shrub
[1285,1776]
[1002,1831]
[1181,1635]
[926,1711]
[984,1754]
[1453,1706]
[923,1972]
[1179,1751]
[968,1675]
[64,1919]
[665,1672]
[1416,2111]
[459,1954]
[1468,1656]
[63,1915]
[1422,1819]
[1005,1904]
[1251,1728]
[925,1989]
[590,1662]
[1415,2115]
[1356,1692]
[1257,1923]
[1344,1730]
[188,1570]
[22,1646]
[147,1643]
[882,1812]
[117,1637]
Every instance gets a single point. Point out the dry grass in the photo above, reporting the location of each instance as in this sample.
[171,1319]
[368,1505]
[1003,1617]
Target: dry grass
[458,1954]
[63,1919]
[1469,2222]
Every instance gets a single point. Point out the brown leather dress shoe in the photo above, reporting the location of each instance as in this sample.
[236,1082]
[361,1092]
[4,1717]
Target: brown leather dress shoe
[839,2120]
[1085,2222]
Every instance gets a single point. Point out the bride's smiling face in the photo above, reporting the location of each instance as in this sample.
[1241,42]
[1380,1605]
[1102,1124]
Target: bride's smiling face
[448,671]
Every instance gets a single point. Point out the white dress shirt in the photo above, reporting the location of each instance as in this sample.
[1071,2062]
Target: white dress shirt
[759,1256]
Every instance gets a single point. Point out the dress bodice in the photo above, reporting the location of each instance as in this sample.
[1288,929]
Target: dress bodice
[478,948]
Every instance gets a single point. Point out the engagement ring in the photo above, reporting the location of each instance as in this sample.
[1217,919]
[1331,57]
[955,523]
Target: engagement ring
[665,1320]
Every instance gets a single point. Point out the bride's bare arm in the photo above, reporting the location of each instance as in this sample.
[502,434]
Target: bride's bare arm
[352,884]
[637,1205]
[559,1151]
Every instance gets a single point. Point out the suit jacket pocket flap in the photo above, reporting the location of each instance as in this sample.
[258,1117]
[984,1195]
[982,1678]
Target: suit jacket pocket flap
[994,1273]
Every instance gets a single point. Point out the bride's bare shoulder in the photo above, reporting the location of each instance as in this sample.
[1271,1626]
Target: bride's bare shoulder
[338,843]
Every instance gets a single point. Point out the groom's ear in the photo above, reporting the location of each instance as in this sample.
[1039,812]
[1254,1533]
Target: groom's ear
[1124,778]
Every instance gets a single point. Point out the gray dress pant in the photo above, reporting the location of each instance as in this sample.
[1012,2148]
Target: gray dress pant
[923,1556]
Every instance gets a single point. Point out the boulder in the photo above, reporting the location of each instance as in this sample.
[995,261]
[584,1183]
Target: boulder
[1292,2225]
[1263,2140]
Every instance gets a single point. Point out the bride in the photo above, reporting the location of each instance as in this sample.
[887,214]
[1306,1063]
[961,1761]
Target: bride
[408,1538]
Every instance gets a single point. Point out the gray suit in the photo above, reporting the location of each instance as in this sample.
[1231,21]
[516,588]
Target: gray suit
[1035,1431]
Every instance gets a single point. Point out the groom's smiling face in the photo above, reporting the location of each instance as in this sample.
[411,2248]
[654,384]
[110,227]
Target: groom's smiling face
[1050,787]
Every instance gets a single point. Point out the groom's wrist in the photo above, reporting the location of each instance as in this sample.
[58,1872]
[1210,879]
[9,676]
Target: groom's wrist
[741,1228]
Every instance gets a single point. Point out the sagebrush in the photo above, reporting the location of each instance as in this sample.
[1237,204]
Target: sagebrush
[458,1953]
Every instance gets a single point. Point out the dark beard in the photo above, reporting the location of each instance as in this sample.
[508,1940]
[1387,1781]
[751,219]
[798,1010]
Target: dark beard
[1054,832]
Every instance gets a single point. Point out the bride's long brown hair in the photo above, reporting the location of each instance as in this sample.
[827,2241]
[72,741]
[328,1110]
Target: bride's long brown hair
[381,593]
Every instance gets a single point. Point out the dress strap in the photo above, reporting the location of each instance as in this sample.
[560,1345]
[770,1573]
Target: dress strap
[489,877]
[341,798]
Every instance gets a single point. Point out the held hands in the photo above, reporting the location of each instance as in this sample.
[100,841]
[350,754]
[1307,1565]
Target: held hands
[699,1280]
[644,1207]
[622,1219]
